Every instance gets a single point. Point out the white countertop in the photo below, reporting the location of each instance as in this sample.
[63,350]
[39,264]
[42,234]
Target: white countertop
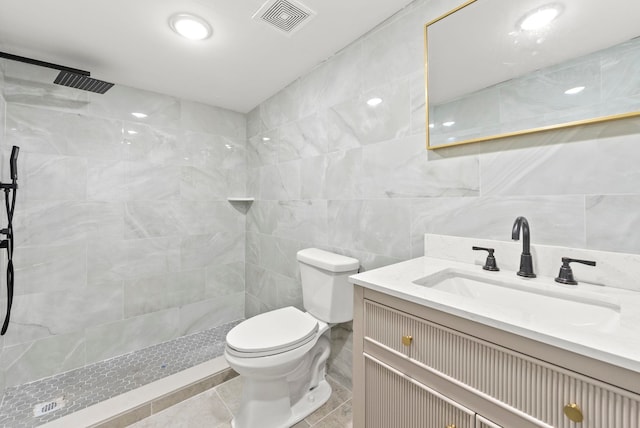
[617,343]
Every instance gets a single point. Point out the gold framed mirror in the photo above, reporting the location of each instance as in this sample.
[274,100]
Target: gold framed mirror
[501,68]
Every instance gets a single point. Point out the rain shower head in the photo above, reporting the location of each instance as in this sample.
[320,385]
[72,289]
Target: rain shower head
[82,81]
[68,76]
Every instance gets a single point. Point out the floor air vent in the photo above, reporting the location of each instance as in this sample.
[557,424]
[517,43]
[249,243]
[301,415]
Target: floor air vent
[288,16]
[48,407]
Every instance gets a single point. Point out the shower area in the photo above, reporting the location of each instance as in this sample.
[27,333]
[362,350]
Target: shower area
[125,243]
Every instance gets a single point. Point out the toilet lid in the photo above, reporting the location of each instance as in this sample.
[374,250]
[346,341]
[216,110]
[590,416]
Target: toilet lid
[273,332]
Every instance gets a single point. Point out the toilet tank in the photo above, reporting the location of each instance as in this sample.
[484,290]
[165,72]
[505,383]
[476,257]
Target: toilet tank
[326,291]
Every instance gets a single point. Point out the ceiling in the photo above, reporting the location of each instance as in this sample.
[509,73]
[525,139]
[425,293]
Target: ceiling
[129,42]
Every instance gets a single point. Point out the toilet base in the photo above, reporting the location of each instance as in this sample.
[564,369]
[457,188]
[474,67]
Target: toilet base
[309,403]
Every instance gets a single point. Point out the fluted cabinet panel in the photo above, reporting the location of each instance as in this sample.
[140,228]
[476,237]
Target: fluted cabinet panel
[395,400]
[529,385]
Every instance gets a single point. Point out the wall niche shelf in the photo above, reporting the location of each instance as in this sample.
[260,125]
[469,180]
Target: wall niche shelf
[240,199]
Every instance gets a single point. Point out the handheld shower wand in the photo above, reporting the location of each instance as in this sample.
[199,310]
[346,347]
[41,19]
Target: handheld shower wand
[10,204]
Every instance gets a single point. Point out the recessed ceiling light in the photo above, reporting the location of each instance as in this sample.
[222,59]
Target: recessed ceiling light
[190,26]
[450,123]
[575,90]
[139,115]
[374,101]
[538,18]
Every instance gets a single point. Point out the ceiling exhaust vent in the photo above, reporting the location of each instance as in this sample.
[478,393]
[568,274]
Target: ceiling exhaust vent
[288,16]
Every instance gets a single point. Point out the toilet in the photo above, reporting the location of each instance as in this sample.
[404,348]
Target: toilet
[281,355]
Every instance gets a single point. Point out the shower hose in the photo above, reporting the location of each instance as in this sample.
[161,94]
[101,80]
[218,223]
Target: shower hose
[10,204]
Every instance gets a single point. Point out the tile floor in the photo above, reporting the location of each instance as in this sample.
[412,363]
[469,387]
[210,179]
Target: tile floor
[214,408]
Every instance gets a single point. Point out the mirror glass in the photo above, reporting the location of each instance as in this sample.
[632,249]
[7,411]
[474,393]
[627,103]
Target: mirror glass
[498,68]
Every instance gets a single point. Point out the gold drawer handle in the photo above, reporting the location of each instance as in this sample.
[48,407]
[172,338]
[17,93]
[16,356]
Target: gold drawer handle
[406,341]
[573,412]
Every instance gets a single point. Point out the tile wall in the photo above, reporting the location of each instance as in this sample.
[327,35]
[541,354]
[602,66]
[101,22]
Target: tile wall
[330,171]
[124,237]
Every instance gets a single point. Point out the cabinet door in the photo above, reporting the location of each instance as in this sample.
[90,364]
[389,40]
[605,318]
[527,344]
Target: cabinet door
[392,399]
[482,422]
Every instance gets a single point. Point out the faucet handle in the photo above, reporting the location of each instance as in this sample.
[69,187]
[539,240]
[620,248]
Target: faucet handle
[565,276]
[490,263]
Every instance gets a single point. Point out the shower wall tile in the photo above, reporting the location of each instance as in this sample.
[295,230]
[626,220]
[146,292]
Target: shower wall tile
[281,108]
[303,220]
[279,255]
[302,139]
[281,181]
[73,311]
[121,101]
[120,221]
[254,126]
[116,259]
[42,358]
[224,279]
[313,177]
[152,294]
[119,337]
[54,268]
[263,149]
[211,313]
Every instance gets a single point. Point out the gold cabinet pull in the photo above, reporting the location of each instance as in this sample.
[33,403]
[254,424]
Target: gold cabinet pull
[406,340]
[573,412]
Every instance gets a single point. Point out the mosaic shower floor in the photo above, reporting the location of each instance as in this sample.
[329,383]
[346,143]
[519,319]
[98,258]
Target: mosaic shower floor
[97,382]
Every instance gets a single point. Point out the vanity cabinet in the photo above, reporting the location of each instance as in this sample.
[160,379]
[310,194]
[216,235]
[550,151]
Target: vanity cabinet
[426,368]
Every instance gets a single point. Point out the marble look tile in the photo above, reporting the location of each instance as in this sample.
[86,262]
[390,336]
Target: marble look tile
[224,279]
[355,123]
[340,362]
[603,166]
[55,354]
[376,226]
[254,124]
[554,220]
[47,177]
[343,175]
[121,101]
[263,149]
[279,255]
[252,248]
[320,89]
[212,151]
[342,417]
[612,223]
[213,120]
[313,177]
[149,181]
[231,393]
[253,306]
[203,217]
[201,251]
[155,293]
[119,337]
[196,184]
[394,50]
[263,217]
[38,130]
[418,103]
[210,313]
[114,260]
[253,182]
[620,67]
[151,219]
[44,222]
[262,286]
[339,395]
[50,268]
[142,142]
[302,221]
[399,168]
[205,409]
[107,180]
[40,315]
[281,108]
[280,181]
[302,139]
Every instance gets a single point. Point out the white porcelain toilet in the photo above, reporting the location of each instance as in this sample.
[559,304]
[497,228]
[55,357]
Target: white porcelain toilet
[282,354]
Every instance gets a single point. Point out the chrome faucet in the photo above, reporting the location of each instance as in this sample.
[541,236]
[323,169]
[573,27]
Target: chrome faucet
[526,261]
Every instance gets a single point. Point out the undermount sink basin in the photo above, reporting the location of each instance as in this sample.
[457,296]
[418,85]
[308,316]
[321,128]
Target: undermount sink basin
[530,304]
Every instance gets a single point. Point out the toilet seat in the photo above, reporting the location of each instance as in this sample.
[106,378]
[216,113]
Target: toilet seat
[271,333]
